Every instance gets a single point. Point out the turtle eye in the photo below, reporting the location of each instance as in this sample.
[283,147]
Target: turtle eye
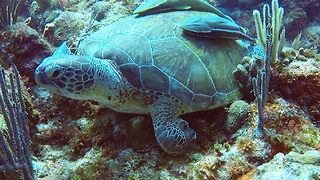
[54,72]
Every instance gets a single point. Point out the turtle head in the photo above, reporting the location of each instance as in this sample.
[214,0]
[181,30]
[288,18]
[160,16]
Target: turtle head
[78,77]
[67,75]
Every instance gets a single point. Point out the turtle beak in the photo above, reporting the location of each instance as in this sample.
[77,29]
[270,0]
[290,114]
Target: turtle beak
[39,73]
[40,76]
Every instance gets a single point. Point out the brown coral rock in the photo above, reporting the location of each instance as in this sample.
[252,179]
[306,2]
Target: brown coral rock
[300,82]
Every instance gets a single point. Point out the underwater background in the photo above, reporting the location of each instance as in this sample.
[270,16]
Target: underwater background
[81,140]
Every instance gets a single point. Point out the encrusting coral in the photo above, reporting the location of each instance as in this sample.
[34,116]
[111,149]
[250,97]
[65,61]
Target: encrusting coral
[86,141]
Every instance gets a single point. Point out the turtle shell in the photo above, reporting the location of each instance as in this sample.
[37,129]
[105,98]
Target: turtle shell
[155,54]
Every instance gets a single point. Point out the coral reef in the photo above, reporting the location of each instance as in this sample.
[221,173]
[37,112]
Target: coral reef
[81,140]
[237,113]
[138,127]
[291,166]
[114,145]
[23,46]
[63,20]
[15,153]
[298,14]
[298,80]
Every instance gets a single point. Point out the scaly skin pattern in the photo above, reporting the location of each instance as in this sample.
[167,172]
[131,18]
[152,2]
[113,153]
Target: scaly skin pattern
[87,78]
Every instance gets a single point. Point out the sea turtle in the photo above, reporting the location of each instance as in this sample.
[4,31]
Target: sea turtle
[164,64]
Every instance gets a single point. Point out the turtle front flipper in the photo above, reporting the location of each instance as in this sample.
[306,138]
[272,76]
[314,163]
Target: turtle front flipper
[173,134]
